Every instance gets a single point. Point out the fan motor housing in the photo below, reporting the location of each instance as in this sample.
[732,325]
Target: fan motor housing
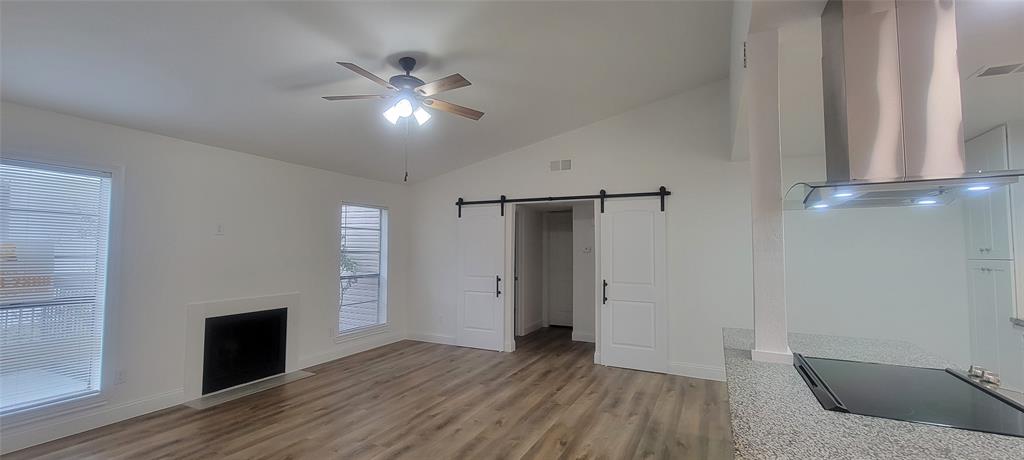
[405,81]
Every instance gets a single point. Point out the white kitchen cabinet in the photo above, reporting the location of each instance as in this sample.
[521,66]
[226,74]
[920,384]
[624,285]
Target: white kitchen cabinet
[996,344]
[989,233]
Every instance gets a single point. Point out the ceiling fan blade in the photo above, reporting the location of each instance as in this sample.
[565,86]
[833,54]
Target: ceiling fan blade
[367,74]
[448,83]
[453,108]
[360,96]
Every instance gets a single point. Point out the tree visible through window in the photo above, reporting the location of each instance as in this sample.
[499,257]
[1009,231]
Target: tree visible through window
[363,260]
[54,225]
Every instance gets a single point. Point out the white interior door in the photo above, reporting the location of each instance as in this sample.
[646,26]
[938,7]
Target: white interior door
[481,241]
[633,312]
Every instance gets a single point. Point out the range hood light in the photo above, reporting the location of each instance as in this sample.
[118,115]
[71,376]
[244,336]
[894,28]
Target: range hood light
[978,188]
[927,201]
[843,195]
[820,206]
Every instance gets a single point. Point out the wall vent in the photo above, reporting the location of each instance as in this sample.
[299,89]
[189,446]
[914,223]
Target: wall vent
[561,165]
[996,70]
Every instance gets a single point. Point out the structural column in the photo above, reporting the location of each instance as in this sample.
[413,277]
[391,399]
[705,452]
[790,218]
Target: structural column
[762,94]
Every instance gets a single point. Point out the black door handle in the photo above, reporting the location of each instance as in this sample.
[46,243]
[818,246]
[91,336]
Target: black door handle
[497,285]
[604,292]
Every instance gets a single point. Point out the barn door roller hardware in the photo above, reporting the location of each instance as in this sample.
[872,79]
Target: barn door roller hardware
[602,195]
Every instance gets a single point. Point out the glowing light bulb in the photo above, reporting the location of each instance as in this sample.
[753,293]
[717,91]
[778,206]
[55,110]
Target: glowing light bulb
[403,108]
[391,115]
[422,116]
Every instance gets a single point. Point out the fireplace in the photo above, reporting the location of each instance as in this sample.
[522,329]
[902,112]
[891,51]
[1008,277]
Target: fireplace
[244,347]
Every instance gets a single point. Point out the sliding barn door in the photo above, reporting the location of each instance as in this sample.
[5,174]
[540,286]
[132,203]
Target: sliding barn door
[481,240]
[633,310]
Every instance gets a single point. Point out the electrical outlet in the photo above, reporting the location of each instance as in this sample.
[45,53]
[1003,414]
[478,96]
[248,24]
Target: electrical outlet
[220,230]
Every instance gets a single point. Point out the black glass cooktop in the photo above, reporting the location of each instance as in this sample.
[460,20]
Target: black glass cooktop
[941,397]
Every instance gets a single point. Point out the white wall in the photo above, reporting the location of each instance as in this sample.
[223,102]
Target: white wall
[583,272]
[530,270]
[558,268]
[681,142]
[281,235]
[888,273]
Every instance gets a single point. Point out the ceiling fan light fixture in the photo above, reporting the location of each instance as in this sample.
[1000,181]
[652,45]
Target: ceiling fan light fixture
[409,92]
[422,116]
[391,114]
[403,107]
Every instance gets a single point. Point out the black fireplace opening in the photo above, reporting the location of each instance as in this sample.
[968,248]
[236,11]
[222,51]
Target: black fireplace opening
[244,347]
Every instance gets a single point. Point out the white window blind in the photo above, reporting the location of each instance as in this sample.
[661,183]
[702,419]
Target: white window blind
[363,244]
[53,262]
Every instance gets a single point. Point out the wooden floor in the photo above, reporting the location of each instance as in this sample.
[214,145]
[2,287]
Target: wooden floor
[428,401]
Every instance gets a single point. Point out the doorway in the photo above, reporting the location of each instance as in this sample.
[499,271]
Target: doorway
[554,270]
[619,291]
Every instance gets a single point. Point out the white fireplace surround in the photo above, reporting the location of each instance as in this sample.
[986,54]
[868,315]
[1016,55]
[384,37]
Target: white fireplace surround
[195,325]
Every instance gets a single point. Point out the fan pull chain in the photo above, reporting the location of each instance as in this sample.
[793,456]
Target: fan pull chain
[406,151]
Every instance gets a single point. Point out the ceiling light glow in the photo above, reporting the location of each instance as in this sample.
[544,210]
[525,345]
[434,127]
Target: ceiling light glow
[391,114]
[403,108]
[422,116]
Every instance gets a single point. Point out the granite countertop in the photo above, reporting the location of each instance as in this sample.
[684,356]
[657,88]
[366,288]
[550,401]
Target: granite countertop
[774,414]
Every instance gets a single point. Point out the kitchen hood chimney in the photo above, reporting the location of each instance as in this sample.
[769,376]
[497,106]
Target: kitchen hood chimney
[893,118]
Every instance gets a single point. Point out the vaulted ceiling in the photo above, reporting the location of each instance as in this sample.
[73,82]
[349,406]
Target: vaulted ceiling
[248,76]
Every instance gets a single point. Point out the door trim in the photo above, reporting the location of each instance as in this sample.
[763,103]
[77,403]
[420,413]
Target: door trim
[509,267]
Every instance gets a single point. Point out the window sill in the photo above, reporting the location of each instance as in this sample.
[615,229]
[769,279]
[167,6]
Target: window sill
[357,334]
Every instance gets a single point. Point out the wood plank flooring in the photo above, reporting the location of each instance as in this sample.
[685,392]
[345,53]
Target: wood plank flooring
[428,401]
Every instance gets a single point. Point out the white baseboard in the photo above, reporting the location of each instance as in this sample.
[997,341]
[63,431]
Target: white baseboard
[699,371]
[349,347]
[432,338]
[38,433]
[582,336]
[777,357]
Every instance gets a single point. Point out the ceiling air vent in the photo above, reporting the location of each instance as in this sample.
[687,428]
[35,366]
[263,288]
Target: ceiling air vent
[561,165]
[996,70]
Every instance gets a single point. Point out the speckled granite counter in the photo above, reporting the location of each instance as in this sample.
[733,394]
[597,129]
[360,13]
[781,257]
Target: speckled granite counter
[774,414]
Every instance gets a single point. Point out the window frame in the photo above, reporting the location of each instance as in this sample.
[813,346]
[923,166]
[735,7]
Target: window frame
[112,310]
[382,302]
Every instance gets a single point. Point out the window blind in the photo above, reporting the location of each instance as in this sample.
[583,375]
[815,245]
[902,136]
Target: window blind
[54,224]
[361,252]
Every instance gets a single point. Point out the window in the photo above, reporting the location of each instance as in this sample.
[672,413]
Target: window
[54,224]
[363,268]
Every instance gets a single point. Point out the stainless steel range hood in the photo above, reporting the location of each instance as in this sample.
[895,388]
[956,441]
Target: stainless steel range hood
[893,119]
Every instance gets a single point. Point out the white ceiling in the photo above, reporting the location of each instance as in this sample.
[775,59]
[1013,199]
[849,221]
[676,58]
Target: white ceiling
[249,76]
[989,34]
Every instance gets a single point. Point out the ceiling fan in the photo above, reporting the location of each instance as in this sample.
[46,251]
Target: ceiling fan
[412,93]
